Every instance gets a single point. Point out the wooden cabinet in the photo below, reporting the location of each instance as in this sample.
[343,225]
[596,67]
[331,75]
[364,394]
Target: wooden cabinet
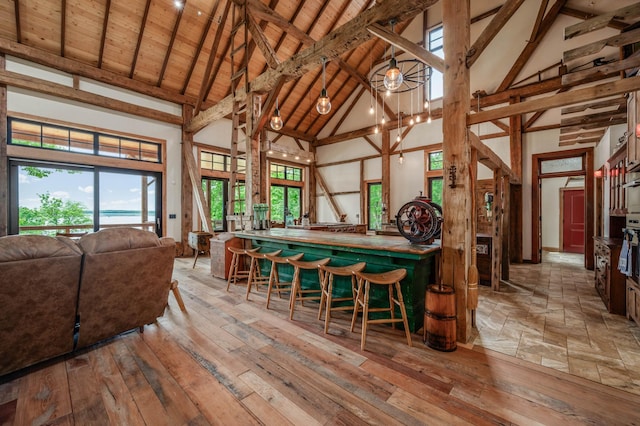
[633,142]
[483,258]
[617,174]
[633,301]
[220,254]
[609,282]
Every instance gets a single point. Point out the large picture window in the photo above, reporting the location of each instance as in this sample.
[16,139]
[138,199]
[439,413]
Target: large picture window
[436,46]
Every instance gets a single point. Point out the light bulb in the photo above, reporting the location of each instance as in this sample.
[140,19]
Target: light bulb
[429,119]
[393,78]
[375,130]
[324,103]
[284,154]
[398,138]
[401,158]
[371,110]
[388,93]
[383,120]
[418,118]
[276,120]
[426,104]
[297,157]
[411,122]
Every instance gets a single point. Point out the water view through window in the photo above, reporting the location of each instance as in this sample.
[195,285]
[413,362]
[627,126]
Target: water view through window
[58,200]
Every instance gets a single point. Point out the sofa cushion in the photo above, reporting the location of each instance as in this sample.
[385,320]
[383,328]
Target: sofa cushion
[39,278]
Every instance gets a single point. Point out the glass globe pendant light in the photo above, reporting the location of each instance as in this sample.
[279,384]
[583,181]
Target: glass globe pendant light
[393,77]
[324,103]
[276,120]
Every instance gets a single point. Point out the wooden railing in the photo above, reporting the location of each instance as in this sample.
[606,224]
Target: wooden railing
[77,230]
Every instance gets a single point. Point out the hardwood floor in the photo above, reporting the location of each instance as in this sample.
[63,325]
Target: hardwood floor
[232,362]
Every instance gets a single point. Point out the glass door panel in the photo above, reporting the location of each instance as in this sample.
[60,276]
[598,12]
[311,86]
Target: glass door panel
[52,199]
[130,199]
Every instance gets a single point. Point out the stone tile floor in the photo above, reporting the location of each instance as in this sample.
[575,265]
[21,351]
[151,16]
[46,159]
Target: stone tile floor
[550,314]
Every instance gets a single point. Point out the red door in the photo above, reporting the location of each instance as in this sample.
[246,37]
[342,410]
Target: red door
[573,221]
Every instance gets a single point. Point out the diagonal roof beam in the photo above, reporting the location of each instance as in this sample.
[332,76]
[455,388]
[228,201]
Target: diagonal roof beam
[580,14]
[143,25]
[408,46]
[330,46]
[506,12]
[531,46]
[261,41]
[63,26]
[103,37]
[16,7]
[167,54]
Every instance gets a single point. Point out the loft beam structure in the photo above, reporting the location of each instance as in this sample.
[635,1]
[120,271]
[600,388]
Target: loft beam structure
[337,42]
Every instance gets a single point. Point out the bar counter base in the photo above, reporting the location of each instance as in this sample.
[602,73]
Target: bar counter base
[380,252]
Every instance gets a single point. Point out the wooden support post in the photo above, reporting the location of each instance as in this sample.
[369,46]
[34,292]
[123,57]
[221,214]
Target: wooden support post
[504,234]
[515,191]
[496,231]
[4,172]
[386,175]
[264,170]
[456,147]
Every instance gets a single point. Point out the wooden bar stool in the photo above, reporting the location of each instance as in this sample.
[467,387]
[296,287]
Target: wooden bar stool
[391,279]
[297,292]
[236,269]
[326,300]
[274,276]
[255,275]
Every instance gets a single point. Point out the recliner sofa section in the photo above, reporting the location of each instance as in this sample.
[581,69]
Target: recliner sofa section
[107,282]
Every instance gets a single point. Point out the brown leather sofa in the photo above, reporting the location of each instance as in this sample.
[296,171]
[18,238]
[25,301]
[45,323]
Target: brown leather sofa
[106,283]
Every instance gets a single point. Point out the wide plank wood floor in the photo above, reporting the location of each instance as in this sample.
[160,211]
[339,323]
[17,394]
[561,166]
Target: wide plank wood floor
[232,362]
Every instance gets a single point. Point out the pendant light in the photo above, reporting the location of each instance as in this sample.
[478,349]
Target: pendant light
[276,120]
[324,103]
[393,77]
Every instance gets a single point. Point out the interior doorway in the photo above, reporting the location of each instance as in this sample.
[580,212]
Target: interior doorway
[572,214]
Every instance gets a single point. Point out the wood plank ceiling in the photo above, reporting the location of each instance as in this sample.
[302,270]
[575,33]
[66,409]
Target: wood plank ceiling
[180,51]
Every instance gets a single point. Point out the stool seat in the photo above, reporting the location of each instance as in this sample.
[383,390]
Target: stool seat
[236,273]
[297,292]
[392,280]
[274,276]
[255,275]
[326,300]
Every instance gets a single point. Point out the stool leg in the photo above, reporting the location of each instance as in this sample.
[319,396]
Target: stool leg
[356,305]
[323,294]
[295,283]
[392,306]
[273,277]
[233,270]
[365,315]
[327,315]
[252,275]
[195,260]
[403,310]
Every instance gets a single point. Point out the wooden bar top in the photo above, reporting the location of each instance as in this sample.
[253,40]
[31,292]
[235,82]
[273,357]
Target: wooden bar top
[394,244]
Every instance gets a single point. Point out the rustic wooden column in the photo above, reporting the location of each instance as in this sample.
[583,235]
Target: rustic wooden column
[506,229]
[496,231]
[515,204]
[313,214]
[4,172]
[386,175]
[456,147]
[264,169]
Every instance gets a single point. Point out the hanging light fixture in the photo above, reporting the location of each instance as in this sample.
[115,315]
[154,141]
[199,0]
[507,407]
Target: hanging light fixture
[276,120]
[393,77]
[324,103]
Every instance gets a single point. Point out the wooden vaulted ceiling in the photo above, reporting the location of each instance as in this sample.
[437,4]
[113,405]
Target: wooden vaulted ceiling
[182,54]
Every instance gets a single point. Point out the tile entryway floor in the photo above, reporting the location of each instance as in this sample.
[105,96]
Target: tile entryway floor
[550,314]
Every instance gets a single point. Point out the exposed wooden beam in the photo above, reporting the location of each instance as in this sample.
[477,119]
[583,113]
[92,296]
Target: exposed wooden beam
[408,46]
[373,144]
[620,103]
[103,35]
[593,118]
[532,45]
[490,159]
[601,21]
[63,27]
[16,8]
[568,98]
[341,40]
[575,141]
[143,25]
[582,135]
[536,26]
[325,189]
[593,48]
[84,70]
[261,11]
[347,112]
[261,41]
[54,89]
[172,40]
[506,11]
[364,83]
[580,14]
[601,70]
[588,126]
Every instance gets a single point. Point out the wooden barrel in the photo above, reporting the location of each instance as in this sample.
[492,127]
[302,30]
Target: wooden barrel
[440,318]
